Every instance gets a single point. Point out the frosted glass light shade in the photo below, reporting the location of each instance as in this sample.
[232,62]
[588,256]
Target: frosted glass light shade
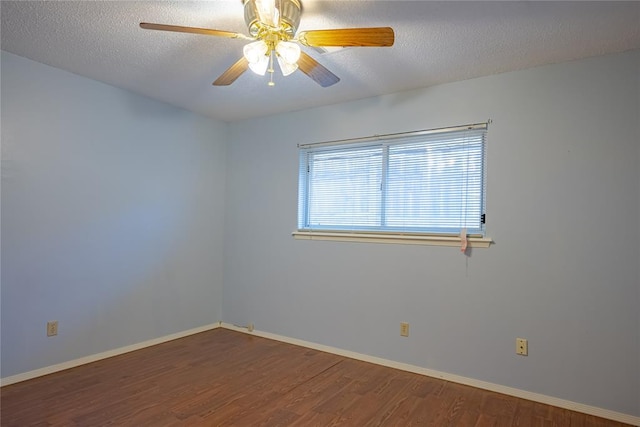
[256,54]
[288,51]
[260,67]
[253,51]
[285,67]
[268,12]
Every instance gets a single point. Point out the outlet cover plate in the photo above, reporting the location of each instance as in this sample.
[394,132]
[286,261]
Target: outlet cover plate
[52,328]
[522,347]
[404,329]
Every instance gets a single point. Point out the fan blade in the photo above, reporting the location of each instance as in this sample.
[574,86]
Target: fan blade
[232,73]
[193,30]
[317,72]
[373,37]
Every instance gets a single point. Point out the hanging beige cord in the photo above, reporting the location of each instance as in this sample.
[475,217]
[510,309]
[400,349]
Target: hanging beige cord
[463,240]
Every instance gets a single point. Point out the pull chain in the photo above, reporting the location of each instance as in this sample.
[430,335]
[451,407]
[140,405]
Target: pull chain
[271,83]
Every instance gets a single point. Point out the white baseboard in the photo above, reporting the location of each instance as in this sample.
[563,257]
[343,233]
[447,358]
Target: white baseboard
[523,394]
[95,357]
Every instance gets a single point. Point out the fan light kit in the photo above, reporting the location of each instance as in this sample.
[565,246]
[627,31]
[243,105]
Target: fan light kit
[272,26]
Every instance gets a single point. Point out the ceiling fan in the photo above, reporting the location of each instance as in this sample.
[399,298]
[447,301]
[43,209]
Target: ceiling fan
[272,26]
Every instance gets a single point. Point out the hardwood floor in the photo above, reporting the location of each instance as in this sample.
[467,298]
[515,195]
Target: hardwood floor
[226,378]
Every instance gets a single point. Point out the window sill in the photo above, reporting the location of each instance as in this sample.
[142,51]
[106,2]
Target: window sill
[405,239]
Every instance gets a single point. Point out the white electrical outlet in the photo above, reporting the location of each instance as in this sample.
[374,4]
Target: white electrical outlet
[522,347]
[404,329]
[52,328]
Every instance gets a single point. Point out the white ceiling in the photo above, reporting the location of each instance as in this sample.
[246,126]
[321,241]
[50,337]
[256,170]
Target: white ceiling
[436,42]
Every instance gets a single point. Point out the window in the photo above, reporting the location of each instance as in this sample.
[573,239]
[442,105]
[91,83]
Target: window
[417,183]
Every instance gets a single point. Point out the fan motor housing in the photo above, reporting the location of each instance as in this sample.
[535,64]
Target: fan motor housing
[289,17]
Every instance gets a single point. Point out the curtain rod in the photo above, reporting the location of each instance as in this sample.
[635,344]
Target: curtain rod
[474,126]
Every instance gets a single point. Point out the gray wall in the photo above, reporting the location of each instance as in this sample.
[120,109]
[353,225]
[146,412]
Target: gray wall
[112,217]
[562,207]
[113,220]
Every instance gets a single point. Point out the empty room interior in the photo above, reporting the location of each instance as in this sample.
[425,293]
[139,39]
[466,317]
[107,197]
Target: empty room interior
[255,251]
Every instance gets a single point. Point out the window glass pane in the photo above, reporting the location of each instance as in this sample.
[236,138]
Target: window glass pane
[344,188]
[435,186]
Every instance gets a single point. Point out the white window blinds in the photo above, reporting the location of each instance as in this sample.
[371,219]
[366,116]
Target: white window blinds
[418,182]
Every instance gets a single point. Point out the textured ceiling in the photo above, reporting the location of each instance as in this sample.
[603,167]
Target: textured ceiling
[436,42]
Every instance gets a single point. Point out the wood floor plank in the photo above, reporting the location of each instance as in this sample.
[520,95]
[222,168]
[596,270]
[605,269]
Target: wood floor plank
[226,378]
[427,411]
[524,415]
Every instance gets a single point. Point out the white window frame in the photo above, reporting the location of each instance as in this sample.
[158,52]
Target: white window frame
[385,236]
